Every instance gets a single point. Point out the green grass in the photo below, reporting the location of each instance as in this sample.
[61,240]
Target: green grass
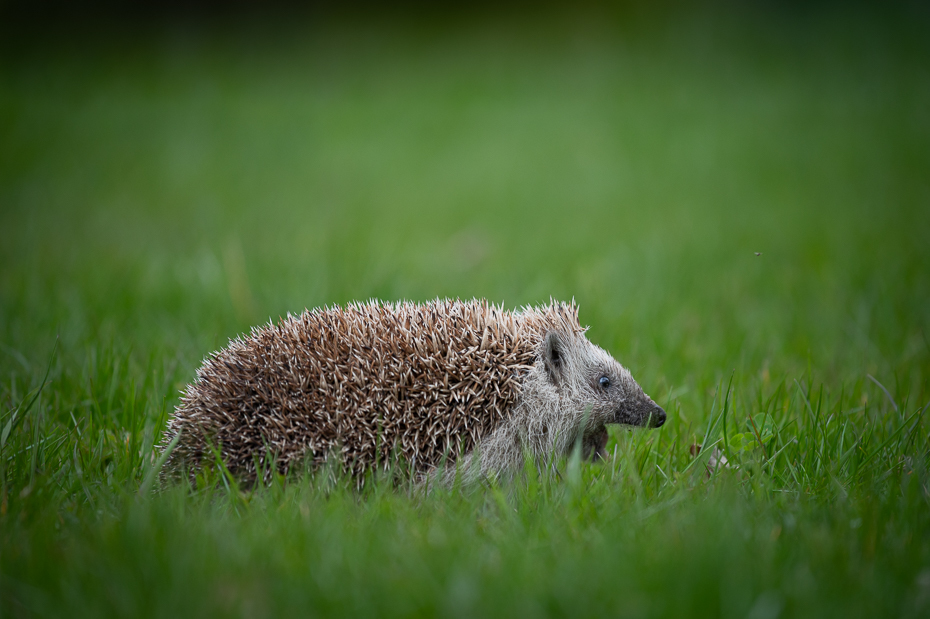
[162,190]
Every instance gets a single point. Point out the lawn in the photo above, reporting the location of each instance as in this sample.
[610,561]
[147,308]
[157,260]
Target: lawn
[737,198]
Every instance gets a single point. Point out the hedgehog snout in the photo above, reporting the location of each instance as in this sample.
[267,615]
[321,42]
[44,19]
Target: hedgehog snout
[646,414]
[652,415]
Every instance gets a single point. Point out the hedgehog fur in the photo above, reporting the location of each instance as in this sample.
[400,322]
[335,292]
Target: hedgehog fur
[461,382]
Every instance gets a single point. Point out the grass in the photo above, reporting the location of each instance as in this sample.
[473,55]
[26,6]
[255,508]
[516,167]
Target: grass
[737,199]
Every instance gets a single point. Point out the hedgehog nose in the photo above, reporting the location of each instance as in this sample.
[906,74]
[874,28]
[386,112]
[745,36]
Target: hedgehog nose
[658,417]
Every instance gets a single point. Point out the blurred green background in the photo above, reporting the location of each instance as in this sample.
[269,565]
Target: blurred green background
[730,191]
[184,181]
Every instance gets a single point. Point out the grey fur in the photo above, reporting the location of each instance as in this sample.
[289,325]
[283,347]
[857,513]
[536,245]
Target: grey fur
[562,398]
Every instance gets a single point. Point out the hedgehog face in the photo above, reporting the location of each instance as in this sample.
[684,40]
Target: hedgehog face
[591,380]
[629,405]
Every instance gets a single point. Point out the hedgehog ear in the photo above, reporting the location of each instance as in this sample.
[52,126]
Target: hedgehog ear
[553,356]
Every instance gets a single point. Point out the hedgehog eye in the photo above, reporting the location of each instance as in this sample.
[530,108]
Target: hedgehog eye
[604,382]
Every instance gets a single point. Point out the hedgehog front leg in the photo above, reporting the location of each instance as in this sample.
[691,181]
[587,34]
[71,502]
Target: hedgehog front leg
[594,446]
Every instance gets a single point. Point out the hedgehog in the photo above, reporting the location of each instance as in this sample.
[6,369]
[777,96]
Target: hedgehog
[454,388]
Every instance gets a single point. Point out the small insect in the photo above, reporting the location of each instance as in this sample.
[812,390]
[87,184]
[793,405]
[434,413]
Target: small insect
[758,253]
